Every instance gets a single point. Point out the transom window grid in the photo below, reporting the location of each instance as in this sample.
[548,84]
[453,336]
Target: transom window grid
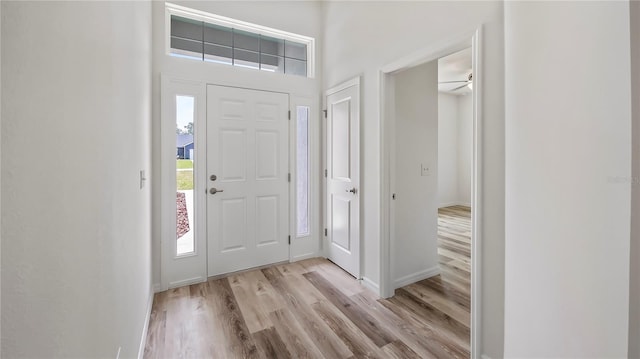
[214,43]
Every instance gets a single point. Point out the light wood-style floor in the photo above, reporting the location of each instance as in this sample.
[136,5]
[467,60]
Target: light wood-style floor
[313,309]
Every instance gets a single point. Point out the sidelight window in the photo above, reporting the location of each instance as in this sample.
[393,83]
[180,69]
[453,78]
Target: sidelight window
[302,171]
[185,154]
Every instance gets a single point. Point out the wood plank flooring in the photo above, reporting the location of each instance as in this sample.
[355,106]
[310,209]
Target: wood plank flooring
[313,309]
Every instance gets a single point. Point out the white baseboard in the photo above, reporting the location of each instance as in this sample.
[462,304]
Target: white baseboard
[182,283]
[145,327]
[457,203]
[485,356]
[371,285]
[304,256]
[156,288]
[447,204]
[416,277]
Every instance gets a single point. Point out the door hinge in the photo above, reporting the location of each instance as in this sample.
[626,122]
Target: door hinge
[325,232]
[289,177]
[289,239]
[289,114]
[325,173]
[325,113]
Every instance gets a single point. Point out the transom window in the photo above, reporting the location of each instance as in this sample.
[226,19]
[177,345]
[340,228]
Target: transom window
[207,37]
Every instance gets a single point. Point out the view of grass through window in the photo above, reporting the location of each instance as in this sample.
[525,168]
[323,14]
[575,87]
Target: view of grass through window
[185,152]
[184,178]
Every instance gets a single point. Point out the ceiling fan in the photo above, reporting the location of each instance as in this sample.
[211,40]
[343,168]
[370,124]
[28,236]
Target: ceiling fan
[468,82]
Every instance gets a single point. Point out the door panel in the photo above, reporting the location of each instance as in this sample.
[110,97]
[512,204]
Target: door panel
[247,222]
[233,223]
[343,177]
[340,216]
[233,143]
[267,216]
[340,152]
[267,159]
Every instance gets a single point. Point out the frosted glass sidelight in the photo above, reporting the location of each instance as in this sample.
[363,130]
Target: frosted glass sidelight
[302,171]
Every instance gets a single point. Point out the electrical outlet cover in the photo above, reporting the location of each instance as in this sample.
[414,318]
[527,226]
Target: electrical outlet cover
[425,170]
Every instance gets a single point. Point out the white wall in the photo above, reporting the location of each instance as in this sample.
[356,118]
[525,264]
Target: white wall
[568,159]
[300,17]
[76,92]
[465,148]
[360,38]
[455,149]
[414,251]
[447,150]
[634,270]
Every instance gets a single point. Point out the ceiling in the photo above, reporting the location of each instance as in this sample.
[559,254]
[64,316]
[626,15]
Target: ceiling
[454,67]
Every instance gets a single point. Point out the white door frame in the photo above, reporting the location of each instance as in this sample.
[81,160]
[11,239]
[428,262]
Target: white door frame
[387,121]
[302,92]
[325,239]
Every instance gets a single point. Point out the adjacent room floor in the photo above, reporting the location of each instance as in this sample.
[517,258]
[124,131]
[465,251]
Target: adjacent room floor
[313,309]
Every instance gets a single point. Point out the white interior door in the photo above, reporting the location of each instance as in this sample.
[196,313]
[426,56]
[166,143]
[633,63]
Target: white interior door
[248,199]
[343,176]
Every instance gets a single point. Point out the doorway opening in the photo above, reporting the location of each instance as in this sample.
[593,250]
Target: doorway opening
[430,178]
[454,167]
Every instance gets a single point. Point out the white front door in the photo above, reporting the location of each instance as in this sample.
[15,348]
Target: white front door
[247,178]
[343,176]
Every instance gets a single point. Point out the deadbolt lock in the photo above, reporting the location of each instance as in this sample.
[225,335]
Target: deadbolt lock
[213,177]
